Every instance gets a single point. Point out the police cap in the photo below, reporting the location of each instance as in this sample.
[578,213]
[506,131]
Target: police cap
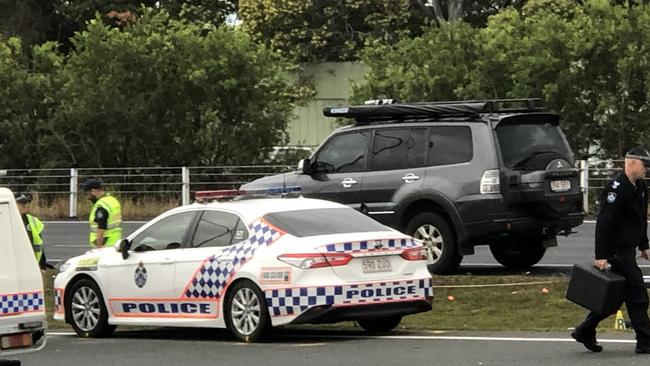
[92,183]
[640,153]
[23,198]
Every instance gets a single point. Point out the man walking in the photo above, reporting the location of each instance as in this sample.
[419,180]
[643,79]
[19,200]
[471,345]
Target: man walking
[621,228]
[105,216]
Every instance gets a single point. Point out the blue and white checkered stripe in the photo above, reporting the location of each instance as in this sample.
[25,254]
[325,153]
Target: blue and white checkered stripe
[296,300]
[214,275]
[366,245]
[13,304]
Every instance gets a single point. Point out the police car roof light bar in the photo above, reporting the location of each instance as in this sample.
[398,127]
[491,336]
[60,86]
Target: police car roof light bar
[271,191]
[205,196]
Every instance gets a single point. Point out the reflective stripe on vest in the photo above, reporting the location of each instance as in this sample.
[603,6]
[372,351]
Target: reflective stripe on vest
[113,232]
[36,228]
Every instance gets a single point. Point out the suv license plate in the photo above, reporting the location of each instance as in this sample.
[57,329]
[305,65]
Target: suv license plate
[560,185]
[373,265]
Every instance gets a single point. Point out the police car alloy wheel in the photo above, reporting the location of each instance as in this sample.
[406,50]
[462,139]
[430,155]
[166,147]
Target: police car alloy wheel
[247,315]
[88,314]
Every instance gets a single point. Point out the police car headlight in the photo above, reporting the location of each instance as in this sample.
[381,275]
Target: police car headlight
[64,267]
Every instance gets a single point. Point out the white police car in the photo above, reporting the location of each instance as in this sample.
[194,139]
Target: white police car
[248,265]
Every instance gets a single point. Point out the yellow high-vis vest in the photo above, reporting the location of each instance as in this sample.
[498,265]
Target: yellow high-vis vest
[113,232]
[36,228]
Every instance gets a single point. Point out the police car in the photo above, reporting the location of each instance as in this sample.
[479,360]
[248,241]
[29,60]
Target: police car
[248,264]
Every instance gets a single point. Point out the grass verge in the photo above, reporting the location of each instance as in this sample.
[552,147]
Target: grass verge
[478,303]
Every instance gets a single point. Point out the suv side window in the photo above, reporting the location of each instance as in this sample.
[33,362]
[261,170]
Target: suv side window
[450,145]
[218,229]
[398,149]
[345,153]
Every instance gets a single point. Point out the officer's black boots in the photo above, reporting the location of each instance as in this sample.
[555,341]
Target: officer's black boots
[588,341]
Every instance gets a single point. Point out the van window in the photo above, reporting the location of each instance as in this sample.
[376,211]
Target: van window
[450,145]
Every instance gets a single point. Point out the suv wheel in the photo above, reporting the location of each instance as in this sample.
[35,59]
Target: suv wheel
[518,252]
[439,241]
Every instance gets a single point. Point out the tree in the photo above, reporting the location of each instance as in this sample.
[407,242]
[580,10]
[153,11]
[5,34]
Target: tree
[166,92]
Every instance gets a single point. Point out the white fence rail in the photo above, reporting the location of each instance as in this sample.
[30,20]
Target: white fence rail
[180,182]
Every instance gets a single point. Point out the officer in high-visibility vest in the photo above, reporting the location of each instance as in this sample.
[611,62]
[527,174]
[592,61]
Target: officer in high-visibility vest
[105,217]
[33,225]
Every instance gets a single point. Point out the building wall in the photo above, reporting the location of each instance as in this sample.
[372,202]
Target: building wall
[333,81]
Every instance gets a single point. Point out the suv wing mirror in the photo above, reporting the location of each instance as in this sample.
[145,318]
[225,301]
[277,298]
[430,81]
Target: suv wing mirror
[124,247]
[304,166]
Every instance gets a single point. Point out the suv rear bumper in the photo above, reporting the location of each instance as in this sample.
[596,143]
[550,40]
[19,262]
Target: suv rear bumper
[486,219]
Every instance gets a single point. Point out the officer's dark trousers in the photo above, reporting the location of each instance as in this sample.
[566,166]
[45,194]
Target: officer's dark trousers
[635,297]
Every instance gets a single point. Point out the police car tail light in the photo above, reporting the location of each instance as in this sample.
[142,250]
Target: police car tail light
[204,196]
[415,254]
[315,260]
[490,182]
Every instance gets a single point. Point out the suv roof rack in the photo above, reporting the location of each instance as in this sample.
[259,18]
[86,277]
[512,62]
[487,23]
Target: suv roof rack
[366,114]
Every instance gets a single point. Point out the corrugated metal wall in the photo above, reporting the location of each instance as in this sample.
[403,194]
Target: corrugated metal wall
[333,87]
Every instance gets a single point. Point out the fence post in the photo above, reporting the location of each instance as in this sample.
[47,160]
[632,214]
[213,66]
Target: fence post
[584,184]
[185,173]
[74,177]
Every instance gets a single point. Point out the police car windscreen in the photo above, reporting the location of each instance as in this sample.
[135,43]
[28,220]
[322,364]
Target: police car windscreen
[521,142]
[326,221]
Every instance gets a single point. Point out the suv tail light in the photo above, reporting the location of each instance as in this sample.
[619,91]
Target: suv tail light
[315,260]
[490,182]
[415,254]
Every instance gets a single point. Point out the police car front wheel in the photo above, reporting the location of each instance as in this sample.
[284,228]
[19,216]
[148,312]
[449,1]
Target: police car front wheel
[87,312]
[247,315]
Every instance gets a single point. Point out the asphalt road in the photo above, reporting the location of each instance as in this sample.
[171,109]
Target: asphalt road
[67,239]
[161,347]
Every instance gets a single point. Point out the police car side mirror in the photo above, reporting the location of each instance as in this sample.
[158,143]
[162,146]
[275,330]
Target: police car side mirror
[304,166]
[124,247]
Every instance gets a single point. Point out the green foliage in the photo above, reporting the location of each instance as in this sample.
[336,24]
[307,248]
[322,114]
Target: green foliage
[589,63]
[328,30]
[162,91]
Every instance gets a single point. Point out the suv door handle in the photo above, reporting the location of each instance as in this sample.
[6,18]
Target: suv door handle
[410,177]
[348,182]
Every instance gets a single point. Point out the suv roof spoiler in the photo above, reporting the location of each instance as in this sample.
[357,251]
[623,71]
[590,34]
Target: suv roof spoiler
[466,108]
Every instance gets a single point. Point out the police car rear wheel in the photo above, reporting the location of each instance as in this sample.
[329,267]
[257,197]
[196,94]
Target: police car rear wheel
[247,316]
[88,314]
[379,325]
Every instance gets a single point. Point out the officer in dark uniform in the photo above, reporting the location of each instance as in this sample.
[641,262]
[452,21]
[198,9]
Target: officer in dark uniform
[621,228]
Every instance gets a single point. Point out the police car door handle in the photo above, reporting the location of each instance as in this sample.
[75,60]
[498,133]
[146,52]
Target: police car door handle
[348,182]
[410,177]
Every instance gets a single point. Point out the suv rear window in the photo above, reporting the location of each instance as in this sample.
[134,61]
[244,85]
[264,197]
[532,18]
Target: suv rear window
[324,221]
[519,142]
[450,145]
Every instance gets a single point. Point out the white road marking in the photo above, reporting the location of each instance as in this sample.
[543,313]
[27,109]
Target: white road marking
[86,222]
[552,265]
[425,337]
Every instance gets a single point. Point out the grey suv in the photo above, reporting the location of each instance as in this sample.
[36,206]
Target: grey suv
[453,174]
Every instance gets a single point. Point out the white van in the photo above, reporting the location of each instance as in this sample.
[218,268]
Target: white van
[22,302]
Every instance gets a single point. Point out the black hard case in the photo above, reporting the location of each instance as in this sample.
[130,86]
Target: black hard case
[596,290]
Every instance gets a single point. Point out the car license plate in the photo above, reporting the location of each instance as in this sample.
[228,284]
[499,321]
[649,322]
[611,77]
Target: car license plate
[560,185]
[373,265]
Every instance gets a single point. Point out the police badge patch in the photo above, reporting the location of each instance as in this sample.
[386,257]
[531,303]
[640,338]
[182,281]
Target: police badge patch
[611,197]
[140,275]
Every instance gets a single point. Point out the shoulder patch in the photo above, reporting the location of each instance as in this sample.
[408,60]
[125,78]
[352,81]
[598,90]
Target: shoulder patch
[99,215]
[611,197]
[615,185]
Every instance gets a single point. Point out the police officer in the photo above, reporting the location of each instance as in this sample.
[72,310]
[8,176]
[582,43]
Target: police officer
[105,216]
[34,227]
[621,228]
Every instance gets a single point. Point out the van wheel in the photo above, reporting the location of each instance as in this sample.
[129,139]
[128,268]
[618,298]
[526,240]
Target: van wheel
[88,314]
[442,251]
[518,252]
[380,325]
[247,316]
